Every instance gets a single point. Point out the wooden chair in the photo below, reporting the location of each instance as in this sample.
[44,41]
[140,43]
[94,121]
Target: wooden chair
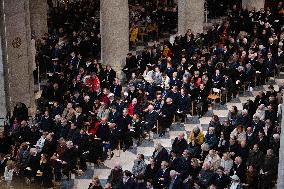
[225,92]
[214,95]
[257,78]
[118,148]
[245,86]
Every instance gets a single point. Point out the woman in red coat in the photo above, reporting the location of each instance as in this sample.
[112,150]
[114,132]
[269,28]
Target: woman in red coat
[93,82]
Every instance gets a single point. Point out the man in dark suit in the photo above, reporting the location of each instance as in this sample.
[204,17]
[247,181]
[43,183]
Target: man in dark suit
[124,124]
[184,103]
[79,118]
[221,180]
[179,144]
[110,74]
[163,176]
[116,88]
[226,88]
[128,182]
[3,162]
[239,169]
[113,116]
[167,111]
[150,118]
[130,65]
[176,182]
[160,154]
[202,104]
[217,79]
[104,134]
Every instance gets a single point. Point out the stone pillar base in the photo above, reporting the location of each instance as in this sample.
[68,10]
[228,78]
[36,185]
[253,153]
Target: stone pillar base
[115,33]
[16,41]
[253,4]
[190,16]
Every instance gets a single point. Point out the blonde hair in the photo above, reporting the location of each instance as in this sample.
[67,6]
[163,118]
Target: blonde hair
[10,164]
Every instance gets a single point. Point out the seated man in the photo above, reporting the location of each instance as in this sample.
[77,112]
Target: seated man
[184,103]
[150,118]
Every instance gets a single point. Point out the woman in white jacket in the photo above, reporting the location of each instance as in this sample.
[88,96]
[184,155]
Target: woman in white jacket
[226,163]
[260,112]
[8,173]
[148,74]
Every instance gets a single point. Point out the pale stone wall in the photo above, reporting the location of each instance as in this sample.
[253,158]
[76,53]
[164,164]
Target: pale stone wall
[16,38]
[251,4]
[38,14]
[280,180]
[115,33]
[190,16]
[2,87]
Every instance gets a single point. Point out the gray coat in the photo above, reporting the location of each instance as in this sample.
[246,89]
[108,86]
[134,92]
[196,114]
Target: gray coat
[157,77]
[139,167]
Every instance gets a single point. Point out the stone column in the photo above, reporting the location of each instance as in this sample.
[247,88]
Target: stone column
[16,38]
[251,4]
[38,13]
[190,16]
[280,180]
[2,88]
[114,33]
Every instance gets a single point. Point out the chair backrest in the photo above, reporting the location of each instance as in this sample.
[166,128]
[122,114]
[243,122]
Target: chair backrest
[215,90]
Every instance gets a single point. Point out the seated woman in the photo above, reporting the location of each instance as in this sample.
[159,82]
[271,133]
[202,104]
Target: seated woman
[195,141]
[239,133]
[44,173]
[134,30]
[95,184]
[136,130]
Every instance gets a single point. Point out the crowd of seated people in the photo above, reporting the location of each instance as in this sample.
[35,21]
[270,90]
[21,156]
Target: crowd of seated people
[240,151]
[84,113]
[150,20]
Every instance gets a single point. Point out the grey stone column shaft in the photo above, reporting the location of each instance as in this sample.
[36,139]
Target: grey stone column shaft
[16,49]
[280,180]
[38,14]
[115,33]
[2,87]
[190,16]
[251,4]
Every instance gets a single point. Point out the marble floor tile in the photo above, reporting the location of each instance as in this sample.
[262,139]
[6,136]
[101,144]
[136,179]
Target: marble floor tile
[244,99]
[174,134]
[279,81]
[238,105]
[164,142]
[189,127]
[220,113]
[101,173]
[147,151]
[205,120]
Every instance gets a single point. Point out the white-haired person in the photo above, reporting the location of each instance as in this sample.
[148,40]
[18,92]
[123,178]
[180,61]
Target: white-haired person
[69,158]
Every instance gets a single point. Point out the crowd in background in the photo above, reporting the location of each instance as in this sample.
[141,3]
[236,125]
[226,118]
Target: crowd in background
[84,113]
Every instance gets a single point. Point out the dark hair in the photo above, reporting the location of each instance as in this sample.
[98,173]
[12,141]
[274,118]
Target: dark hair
[142,156]
[127,173]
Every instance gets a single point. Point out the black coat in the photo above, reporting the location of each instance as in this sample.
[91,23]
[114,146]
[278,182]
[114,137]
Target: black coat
[104,132]
[176,183]
[163,178]
[47,175]
[47,124]
[240,171]
[129,184]
[184,103]
[179,145]
[151,118]
[221,182]
[160,156]
[123,123]
[168,111]
[2,166]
